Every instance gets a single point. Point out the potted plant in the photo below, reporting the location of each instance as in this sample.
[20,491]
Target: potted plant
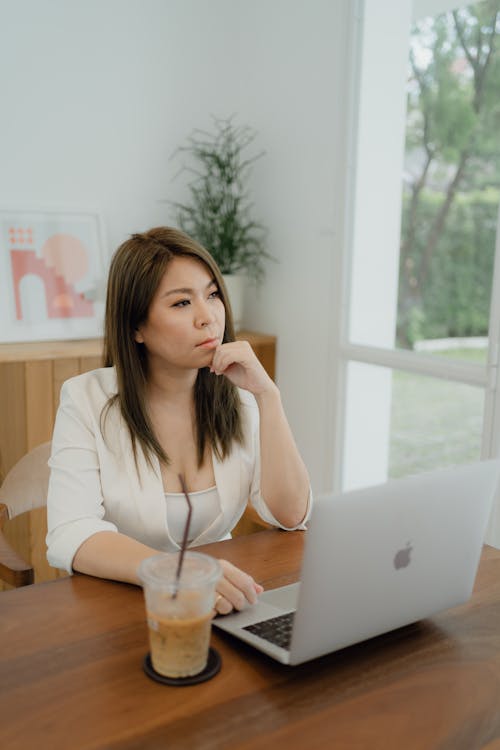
[218,211]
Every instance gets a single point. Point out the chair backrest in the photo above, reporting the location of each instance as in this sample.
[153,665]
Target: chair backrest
[26,484]
[23,489]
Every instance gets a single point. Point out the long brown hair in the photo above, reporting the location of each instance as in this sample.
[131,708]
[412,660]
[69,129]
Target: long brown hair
[135,273]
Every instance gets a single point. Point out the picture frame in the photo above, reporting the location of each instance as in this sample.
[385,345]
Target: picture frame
[52,274]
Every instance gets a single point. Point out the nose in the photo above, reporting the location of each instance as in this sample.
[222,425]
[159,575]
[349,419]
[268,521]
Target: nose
[204,314]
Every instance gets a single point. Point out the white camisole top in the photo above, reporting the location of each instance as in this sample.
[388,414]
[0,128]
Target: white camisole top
[206,508]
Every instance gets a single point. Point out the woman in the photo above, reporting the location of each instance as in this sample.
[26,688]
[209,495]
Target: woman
[178,396]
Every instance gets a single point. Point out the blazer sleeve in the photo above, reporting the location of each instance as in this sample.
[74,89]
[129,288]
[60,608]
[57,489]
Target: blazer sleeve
[256,499]
[75,509]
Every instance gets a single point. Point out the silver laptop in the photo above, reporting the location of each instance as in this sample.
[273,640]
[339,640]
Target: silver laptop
[376,559]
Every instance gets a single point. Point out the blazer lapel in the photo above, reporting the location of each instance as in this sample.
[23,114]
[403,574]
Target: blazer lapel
[145,487]
[228,478]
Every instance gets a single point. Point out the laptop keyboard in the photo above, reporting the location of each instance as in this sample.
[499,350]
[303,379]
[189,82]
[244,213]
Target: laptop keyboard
[277,630]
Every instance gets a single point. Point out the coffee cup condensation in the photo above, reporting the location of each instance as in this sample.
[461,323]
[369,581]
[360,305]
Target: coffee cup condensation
[179,612]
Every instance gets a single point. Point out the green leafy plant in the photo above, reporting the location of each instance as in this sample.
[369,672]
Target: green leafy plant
[452,176]
[218,213]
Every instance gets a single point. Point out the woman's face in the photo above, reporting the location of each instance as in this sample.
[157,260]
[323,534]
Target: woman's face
[186,318]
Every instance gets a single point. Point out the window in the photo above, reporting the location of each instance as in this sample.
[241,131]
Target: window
[420,336]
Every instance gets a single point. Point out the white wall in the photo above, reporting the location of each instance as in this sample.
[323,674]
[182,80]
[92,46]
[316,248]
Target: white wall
[96,96]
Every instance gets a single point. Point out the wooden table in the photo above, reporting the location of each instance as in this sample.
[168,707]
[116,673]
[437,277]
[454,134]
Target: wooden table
[71,676]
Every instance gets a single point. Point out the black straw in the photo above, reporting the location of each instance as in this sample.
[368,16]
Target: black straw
[185,535]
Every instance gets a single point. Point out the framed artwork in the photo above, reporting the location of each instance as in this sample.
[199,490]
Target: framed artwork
[52,275]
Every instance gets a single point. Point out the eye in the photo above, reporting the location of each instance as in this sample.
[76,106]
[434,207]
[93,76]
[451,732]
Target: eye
[181,303]
[214,294]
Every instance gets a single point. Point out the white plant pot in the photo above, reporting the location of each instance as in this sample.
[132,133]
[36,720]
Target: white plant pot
[235,285]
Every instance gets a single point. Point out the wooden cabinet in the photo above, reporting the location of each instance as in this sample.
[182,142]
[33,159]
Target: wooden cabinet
[31,375]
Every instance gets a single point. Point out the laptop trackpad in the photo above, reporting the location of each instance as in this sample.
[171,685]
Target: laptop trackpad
[271,603]
[285,598]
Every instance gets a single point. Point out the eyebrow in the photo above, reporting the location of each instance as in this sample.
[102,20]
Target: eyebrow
[188,290]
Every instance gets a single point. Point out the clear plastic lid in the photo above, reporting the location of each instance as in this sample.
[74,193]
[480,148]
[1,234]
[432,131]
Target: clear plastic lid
[198,570]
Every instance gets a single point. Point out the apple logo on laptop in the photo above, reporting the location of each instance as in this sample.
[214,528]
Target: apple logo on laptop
[402,557]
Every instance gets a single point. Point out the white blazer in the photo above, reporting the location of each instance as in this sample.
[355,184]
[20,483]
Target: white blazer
[94,485]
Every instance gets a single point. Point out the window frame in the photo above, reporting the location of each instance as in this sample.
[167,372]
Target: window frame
[486,376]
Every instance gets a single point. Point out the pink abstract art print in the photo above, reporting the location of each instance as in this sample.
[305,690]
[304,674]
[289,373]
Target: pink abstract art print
[52,271]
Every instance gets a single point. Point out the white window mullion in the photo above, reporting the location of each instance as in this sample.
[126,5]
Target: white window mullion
[341,283]
[420,364]
[491,434]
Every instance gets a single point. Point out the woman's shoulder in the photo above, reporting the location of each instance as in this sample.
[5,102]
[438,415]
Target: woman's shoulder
[96,384]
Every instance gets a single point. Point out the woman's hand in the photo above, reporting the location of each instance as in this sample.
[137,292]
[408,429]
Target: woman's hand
[238,362]
[235,589]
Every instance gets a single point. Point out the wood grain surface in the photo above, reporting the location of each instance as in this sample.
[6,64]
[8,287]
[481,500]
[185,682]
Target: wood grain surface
[71,676]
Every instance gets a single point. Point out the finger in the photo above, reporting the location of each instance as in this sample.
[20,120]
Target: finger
[222,362]
[222,606]
[225,355]
[237,584]
[234,595]
[240,580]
[232,600]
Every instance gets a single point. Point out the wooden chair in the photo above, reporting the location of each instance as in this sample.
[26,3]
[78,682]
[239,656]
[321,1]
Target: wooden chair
[24,489]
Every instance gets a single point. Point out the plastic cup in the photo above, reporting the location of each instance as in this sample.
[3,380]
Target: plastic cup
[179,613]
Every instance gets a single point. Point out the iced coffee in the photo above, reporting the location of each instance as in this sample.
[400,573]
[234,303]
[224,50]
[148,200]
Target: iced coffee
[179,612]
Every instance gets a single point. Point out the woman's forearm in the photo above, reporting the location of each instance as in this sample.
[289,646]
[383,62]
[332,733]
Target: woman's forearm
[112,555]
[284,482]
[284,477]
[108,554]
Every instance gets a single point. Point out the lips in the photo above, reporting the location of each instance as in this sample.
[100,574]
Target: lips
[209,343]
